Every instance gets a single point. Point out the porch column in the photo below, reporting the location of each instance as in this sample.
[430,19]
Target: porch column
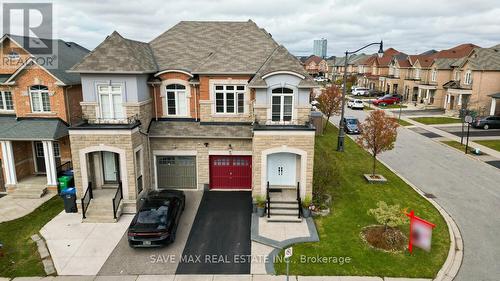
[8,163]
[493,106]
[50,163]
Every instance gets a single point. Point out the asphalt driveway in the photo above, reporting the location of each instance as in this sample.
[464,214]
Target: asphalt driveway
[220,236]
[127,261]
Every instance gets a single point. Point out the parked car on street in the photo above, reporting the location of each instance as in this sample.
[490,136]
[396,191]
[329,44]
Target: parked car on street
[489,122]
[155,224]
[360,92]
[355,104]
[386,100]
[351,125]
[320,79]
[375,93]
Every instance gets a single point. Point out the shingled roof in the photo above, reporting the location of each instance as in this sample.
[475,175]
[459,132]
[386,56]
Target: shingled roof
[68,54]
[484,59]
[118,54]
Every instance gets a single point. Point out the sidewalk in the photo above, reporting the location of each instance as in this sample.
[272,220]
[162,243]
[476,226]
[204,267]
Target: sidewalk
[211,278]
[436,130]
[14,208]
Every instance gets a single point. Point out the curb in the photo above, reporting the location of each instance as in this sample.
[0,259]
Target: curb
[453,262]
[43,251]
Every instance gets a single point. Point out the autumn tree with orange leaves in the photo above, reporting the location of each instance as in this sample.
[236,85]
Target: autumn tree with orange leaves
[378,134]
[330,102]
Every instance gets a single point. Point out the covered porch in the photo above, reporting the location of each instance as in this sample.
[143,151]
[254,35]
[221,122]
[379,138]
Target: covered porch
[456,99]
[34,152]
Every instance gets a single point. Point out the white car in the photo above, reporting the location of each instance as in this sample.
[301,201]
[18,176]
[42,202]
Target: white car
[319,79]
[355,104]
[360,92]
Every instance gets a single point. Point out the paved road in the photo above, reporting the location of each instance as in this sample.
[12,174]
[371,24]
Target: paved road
[457,130]
[467,189]
[220,236]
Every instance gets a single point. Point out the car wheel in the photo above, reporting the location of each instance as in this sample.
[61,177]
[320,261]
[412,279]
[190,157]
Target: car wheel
[486,126]
[383,104]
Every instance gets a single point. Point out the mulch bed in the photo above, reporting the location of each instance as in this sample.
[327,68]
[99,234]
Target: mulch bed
[390,239]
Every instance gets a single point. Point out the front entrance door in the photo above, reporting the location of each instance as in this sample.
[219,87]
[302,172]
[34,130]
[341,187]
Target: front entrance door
[110,166]
[39,157]
[281,169]
[452,102]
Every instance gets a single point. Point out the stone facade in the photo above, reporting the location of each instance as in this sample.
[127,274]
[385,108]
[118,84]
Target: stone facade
[288,141]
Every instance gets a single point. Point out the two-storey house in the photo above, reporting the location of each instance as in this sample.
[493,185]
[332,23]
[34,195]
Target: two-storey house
[38,100]
[204,106]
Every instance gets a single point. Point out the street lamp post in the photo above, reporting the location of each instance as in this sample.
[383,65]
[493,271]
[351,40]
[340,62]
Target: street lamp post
[340,142]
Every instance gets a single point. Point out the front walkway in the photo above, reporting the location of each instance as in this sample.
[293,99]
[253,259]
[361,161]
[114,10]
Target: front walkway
[14,208]
[81,248]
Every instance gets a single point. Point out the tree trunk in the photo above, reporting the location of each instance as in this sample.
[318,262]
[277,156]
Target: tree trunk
[326,124]
[374,164]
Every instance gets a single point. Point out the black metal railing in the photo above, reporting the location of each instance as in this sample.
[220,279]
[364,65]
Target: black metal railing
[86,199]
[299,200]
[64,167]
[139,184]
[117,199]
[268,201]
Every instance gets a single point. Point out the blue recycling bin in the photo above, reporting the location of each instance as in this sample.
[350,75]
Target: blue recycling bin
[69,197]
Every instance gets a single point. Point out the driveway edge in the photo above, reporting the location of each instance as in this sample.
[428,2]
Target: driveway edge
[455,255]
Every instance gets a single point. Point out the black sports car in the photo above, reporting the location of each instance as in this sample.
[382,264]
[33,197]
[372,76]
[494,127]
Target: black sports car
[155,224]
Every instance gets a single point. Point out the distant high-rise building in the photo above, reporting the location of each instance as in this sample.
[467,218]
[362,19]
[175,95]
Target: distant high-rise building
[320,48]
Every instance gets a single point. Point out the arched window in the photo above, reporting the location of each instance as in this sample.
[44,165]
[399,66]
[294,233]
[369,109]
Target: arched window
[39,96]
[13,55]
[282,104]
[176,100]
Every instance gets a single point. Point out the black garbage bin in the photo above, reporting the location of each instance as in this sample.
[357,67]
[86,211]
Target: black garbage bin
[69,197]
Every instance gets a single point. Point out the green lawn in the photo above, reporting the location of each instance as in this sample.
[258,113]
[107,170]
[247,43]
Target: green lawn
[392,106]
[352,198]
[457,145]
[493,144]
[20,253]
[404,123]
[436,120]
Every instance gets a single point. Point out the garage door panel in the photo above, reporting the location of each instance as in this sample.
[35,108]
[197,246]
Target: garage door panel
[230,172]
[176,172]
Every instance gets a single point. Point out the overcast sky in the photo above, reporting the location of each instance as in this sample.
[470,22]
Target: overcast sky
[409,26]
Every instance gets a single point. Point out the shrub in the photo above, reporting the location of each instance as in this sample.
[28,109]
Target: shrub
[388,215]
[261,201]
[325,178]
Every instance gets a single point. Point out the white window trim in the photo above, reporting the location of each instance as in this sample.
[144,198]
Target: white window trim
[42,110]
[282,107]
[110,96]
[3,105]
[417,73]
[468,77]
[434,75]
[229,82]
[176,97]
[163,95]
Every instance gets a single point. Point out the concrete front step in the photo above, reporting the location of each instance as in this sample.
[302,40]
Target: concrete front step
[286,205]
[29,193]
[97,213]
[281,218]
[284,212]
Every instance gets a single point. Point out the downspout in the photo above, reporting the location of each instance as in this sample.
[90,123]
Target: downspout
[68,111]
[196,90]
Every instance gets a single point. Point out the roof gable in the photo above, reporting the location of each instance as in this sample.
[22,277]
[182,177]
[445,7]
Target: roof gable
[117,54]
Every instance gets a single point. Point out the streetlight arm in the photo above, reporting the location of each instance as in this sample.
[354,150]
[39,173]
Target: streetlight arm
[371,44]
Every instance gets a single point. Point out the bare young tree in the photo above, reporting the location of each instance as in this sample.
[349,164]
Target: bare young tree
[330,102]
[378,134]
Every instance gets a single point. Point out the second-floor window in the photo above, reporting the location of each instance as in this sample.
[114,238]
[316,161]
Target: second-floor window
[457,76]
[282,104]
[434,75]
[176,100]
[468,77]
[229,99]
[110,101]
[417,73]
[6,101]
[396,72]
[39,96]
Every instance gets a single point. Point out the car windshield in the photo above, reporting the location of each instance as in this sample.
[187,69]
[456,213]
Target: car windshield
[358,101]
[153,215]
[351,121]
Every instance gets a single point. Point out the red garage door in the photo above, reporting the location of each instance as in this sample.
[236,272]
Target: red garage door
[230,172]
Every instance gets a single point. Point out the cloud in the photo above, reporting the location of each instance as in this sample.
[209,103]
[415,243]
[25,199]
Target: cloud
[409,26]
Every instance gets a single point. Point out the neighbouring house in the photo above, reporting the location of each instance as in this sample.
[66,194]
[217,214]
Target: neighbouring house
[316,66]
[475,83]
[38,101]
[193,109]
[352,65]
[330,62]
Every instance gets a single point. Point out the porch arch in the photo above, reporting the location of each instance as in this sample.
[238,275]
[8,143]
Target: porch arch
[284,149]
[98,148]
